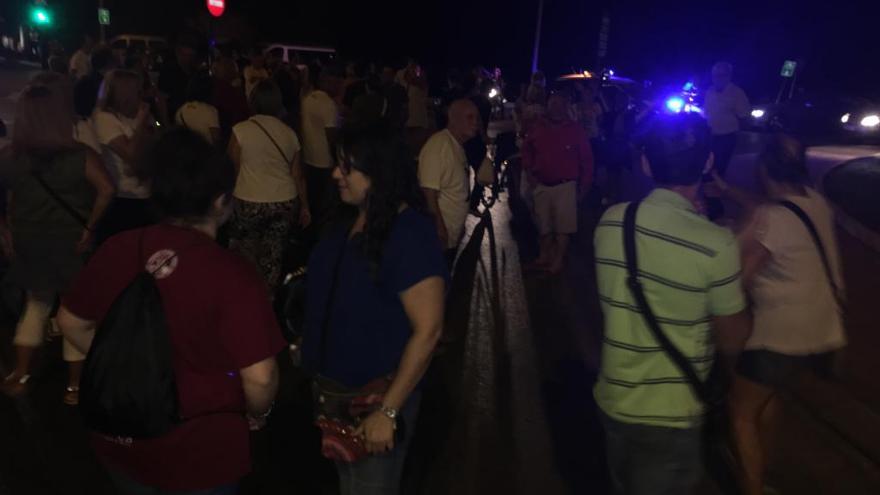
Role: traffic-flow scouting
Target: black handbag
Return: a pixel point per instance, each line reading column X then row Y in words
column 290, row 304
column 719, row 461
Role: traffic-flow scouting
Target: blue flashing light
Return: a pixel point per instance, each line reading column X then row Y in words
column 675, row 104
column 688, row 86
column 691, row 108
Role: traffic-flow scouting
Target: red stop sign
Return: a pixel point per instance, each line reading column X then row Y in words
column 216, row 7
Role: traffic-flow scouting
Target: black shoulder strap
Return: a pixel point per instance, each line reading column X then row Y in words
column 277, row 147
column 814, row 233
column 183, row 120
column 60, row 201
column 328, row 308
column 635, row 286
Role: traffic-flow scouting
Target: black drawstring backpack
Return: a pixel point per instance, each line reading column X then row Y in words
column 128, row 386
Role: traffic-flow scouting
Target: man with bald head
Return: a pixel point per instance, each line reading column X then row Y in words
column 726, row 106
column 444, row 173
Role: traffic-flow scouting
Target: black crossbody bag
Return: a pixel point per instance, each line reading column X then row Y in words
column 717, row 454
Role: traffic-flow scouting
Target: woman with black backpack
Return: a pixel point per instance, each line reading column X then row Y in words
column 180, row 335
column 58, row 191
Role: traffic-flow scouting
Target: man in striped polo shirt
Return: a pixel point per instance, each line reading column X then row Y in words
column 690, row 271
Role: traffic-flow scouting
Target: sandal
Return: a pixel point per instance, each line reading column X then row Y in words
column 71, row 396
column 15, row 386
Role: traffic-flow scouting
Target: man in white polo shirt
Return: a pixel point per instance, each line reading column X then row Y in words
column 444, row 174
column 726, row 105
column 320, row 119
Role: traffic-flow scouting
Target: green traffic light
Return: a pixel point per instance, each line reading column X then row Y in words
column 41, row 16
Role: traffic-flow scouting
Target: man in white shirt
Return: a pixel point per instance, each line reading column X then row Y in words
column 320, row 119
column 444, row 174
column 255, row 73
column 80, row 62
column 726, row 105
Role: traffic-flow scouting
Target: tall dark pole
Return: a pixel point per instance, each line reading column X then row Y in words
column 103, row 27
column 537, row 37
column 604, row 36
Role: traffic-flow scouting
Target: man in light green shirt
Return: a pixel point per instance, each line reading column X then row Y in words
column 690, row 271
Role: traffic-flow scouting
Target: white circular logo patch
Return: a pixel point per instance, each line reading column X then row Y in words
column 162, row 264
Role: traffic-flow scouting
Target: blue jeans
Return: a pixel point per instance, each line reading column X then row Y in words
column 652, row 460
column 127, row 486
column 380, row 474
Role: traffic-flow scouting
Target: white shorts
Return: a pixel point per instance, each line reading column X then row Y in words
column 556, row 208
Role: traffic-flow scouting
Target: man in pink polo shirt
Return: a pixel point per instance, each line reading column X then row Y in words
column 559, row 161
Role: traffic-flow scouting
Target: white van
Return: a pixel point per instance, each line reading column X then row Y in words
column 303, row 53
column 142, row 43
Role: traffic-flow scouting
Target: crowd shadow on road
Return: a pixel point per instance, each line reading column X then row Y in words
column 567, row 331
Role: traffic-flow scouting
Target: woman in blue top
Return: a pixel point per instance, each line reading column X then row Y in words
column 376, row 299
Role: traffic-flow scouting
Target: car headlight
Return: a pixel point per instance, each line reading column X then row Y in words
column 870, row 121
column 844, row 118
column 758, row 113
column 675, row 104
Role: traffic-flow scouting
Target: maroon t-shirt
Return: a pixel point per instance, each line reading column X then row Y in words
column 558, row 152
column 220, row 321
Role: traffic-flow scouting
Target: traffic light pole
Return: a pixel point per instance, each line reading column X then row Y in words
column 101, row 24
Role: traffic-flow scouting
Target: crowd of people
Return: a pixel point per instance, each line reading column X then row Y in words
column 111, row 175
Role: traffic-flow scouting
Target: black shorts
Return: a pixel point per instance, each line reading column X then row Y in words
column 777, row 370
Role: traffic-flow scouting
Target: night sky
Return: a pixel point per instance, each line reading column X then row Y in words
column 658, row 40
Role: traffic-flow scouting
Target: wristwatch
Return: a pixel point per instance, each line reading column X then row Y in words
column 390, row 413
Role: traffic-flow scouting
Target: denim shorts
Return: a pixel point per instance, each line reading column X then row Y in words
column 781, row 371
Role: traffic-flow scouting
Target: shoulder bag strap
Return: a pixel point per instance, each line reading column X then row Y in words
column 635, row 286
column 328, row 308
column 60, row 201
column 814, row 233
column 277, row 147
column 183, row 120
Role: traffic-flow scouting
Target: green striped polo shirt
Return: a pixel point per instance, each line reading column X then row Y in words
column 690, row 270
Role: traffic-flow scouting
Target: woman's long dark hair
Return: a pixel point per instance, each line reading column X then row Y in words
column 383, row 156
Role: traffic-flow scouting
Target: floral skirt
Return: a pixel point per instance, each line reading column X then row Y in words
column 259, row 232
